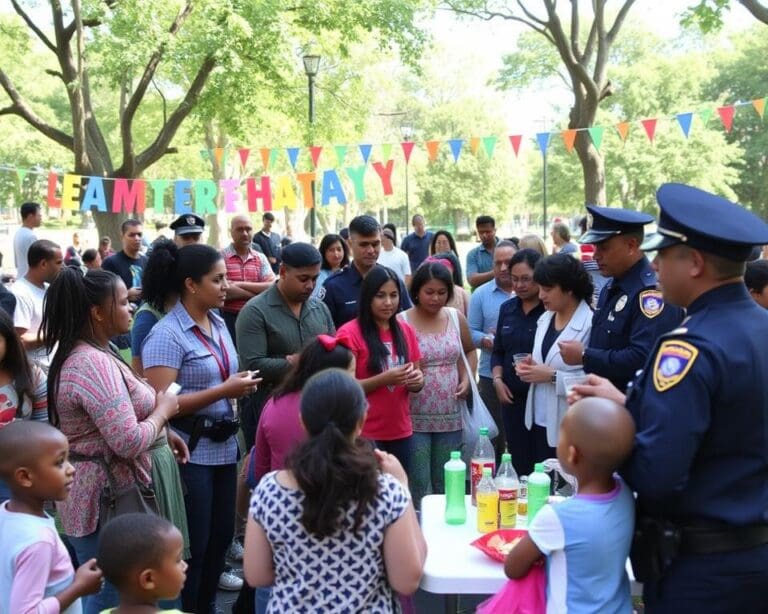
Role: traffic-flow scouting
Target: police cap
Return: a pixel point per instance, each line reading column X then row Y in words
column 300, row 255
column 607, row 222
column 188, row 224
column 703, row 221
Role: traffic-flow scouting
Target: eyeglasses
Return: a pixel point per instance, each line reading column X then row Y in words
column 523, row 281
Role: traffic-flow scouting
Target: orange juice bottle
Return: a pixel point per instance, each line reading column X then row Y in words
column 487, row 503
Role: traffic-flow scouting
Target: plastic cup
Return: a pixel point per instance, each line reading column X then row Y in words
column 518, row 358
column 569, row 381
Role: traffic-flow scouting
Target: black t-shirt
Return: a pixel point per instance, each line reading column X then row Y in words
column 549, row 338
column 129, row 269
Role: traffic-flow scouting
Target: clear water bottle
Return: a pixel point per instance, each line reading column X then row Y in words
column 483, row 456
column 487, row 503
column 508, row 486
column 538, row 490
column 522, row 503
column 455, row 478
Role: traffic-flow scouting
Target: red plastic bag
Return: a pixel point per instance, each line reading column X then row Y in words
column 527, row 595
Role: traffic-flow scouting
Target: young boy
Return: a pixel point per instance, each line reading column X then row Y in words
column 36, row 573
column 141, row 554
column 586, row 538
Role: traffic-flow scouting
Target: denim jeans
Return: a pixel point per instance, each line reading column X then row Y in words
column 430, row 453
column 263, row 593
column 402, row 449
column 210, row 502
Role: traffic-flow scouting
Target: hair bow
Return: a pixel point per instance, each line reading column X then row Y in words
column 444, row 261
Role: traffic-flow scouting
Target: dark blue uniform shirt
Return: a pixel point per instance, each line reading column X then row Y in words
column 341, row 293
column 630, row 316
column 701, row 410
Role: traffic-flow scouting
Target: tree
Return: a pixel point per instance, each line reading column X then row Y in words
column 584, row 53
column 169, row 51
column 708, row 14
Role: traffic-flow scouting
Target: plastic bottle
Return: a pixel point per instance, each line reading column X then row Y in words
column 508, row 485
column 487, row 503
column 483, row 456
column 522, row 503
column 455, row 480
column 538, row 490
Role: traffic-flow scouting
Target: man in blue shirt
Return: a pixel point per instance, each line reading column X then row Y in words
column 480, row 258
column 483, row 317
column 700, row 461
column 416, row 244
column 341, row 291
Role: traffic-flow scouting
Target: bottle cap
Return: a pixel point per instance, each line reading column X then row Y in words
column 539, row 468
column 523, row 478
column 484, row 430
column 506, row 457
column 455, row 454
column 486, row 471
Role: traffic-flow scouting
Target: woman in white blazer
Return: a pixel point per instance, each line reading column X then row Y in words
column 565, row 289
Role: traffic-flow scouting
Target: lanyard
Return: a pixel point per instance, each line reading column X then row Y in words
column 223, row 367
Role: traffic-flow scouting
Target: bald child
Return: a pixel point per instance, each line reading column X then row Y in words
column 586, row 539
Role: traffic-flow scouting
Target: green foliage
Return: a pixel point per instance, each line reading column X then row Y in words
column 706, row 15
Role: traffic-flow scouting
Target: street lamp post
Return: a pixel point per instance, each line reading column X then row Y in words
column 311, row 66
column 544, row 192
column 407, row 133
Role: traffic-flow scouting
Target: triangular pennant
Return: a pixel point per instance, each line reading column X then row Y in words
column 684, row 119
column 386, row 151
column 596, row 134
column 21, row 173
column 244, row 152
column 218, row 154
column 474, row 144
column 759, row 104
column 365, row 152
column 489, row 144
column 407, row 149
column 293, row 156
column 542, row 138
column 314, row 153
column 726, row 116
column 569, row 138
column 432, row 147
column 205, row 154
column 623, row 129
column 705, row 114
column 456, row 145
column 265, row 153
column 650, row 127
column 274, row 152
column 515, row 140
column 341, row 154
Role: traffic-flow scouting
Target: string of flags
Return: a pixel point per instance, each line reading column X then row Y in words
column 341, row 178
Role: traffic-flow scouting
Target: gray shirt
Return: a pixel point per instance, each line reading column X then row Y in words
column 23, row 238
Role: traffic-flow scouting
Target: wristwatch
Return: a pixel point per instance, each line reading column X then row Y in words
column 554, row 377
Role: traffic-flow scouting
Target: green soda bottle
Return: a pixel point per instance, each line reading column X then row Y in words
column 538, row 491
column 455, row 477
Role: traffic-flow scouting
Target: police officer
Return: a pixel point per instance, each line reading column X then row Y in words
column 700, row 464
column 630, row 313
column 341, row 290
column 187, row 229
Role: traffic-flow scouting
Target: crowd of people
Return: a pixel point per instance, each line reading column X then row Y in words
column 290, row 406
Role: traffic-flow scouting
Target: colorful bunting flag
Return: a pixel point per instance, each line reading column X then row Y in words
column 265, row 154
column 543, row 140
column 685, row 119
column 650, row 128
column 293, row 156
column 21, row 173
column 623, row 129
column 386, row 151
column 205, row 154
column 219, row 155
column 759, row 104
column 705, row 114
column 569, row 138
column 432, row 147
column 474, row 144
column 515, row 140
column 244, row 152
column 365, row 152
column 596, row 134
column 341, row 154
column 489, row 144
column 407, row 150
column 456, row 145
column 314, row 152
column 726, row 116
column 273, row 153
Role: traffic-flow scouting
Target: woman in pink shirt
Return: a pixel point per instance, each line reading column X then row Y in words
column 279, row 427
column 387, row 363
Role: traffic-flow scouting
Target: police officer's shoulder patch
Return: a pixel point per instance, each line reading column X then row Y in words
column 673, row 362
column 651, row 303
column 321, row 293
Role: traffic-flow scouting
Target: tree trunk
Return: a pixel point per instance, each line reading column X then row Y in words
column 593, row 170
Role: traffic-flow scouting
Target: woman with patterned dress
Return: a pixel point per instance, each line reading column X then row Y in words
column 443, row 334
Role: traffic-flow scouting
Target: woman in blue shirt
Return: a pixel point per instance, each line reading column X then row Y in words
column 191, row 346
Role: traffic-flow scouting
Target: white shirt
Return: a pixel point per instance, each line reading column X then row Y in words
column 397, row 260
column 23, row 238
column 29, row 313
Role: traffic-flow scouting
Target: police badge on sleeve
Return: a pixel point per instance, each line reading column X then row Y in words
column 651, row 303
column 673, row 362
